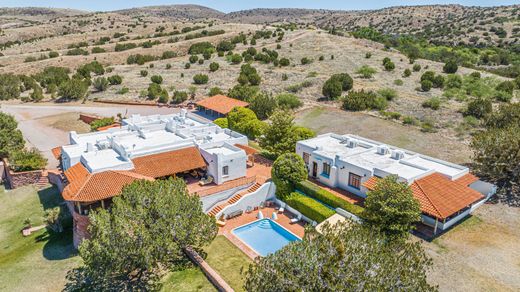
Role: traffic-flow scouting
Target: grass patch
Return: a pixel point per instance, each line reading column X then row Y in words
column 190, row 279
column 41, row 260
column 228, row 261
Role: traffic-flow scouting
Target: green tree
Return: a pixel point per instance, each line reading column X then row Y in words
column 288, row 169
column 343, row 257
column 221, row 122
column 9, row 86
column 37, row 94
column 263, row 105
column 243, row 92
column 73, row 89
column 245, row 121
column 346, row 81
column 281, row 134
column 392, row 208
column 289, row 101
column 144, row 235
column 11, row 137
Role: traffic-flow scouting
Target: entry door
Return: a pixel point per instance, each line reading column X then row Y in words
column 314, row 169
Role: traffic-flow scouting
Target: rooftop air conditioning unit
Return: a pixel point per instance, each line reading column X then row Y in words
column 345, row 140
column 382, row 149
column 397, row 154
column 353, row 143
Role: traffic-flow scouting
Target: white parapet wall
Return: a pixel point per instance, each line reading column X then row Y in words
column 264, row 193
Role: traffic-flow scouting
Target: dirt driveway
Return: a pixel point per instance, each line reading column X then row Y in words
column 46, row 126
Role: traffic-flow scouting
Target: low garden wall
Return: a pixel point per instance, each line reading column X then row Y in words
column 88, row 119
column 19, row 179
column 55, row 178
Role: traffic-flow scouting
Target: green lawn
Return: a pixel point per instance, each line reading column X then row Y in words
column 37, row 262
column 224, row 257
column 40, row 262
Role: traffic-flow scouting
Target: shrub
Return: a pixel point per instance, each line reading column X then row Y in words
column 200, row 79
column 388, row 93
column 123, row 47
column 389, row 66
column 398, row 82
column 225, row 46
column 123, row 90
column 157, row 79
column 332, row 88
column 479, row 107
column 438, row 81
column 284, row 62
column 366, row 72
column 428, row 75
column 179, row 97
column 97, row 50
column 115, row 79
column 416, row 68
column 321, row 58
column 453, row 81
column 326, row 197
column 101, row 123
column 346, row 81
column 77, row 52
column 434, row 103
column 193, row 59
column 368, row 55
column 143, row 73
column 221, row 122
column 100, row 83
column 426, row 85
column 201, row 61
column 428, row 126
column 236, row 59
column 154, row 90
column 27, row 160
column 215, row 91
column 363, row 100
column 287, row 100
column 199, row 48
column 10, row 86
column 450, row 67
column 53, row 54
column 73, row 89
column 213, row 66
column 187, row 66
column 168, row 55
column 407, row 73
column 309, row 207
column 139, row 59
column 506, row 86
column 409, row 120
column 305, row 61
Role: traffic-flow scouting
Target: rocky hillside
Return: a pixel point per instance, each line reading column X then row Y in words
column 175, row 12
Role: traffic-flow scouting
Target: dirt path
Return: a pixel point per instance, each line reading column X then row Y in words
column 33, row 121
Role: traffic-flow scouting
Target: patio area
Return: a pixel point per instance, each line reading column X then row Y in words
column 284, row 219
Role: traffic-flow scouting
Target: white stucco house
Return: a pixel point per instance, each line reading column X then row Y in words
column 447, row 192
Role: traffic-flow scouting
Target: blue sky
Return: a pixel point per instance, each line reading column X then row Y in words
column 233, row 5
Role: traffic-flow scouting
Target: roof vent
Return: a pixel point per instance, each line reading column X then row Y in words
column 382, row 149
column 397, row 154
column 345, row 140
column 353, row 143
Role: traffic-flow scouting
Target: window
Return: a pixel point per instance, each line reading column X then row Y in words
column 326, row 169
column 306, row 157
column 354, row 180
column 225, row 170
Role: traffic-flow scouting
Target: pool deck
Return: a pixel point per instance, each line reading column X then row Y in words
column 283, row 219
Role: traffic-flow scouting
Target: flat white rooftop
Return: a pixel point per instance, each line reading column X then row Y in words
column 364, row 153
column 144, row 135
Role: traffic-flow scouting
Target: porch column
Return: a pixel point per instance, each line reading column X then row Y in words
column 79, row 207
column 103, row 204
column 435, row 228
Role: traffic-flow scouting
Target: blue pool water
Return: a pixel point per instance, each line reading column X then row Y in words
column 265, row 236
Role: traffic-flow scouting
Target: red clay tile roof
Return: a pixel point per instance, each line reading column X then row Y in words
column 168, row 163
column 221, row 104
column 467, row 179
column 56, row 151
column 249, row 150
column 439, row 196
column 87, row 187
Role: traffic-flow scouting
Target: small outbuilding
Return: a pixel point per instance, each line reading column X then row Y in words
column 219, row 105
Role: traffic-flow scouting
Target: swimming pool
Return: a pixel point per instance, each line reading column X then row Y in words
column 265, row 236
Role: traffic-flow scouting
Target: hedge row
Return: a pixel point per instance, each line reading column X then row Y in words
column 309, row 207
column 314, row 191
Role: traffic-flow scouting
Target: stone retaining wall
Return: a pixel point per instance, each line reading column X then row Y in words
column 18, row 179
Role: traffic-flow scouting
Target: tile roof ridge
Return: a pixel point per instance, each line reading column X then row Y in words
column 426, row 194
